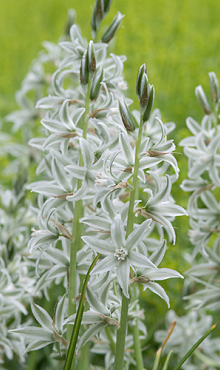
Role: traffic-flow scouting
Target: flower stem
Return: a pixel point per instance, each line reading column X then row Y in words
column 121, row 333
column 109, row 335
column 76, row 231
column 77, row 324
column 134, row 192
column 137, row 342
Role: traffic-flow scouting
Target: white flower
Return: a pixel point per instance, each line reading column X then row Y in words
column 120, row 252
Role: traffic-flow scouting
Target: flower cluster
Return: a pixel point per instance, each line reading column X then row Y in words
column 104, row 206
column 203, row 152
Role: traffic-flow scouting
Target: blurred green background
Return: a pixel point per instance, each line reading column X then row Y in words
column 179, row 40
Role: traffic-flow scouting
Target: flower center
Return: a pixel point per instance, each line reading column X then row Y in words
column 120, row 253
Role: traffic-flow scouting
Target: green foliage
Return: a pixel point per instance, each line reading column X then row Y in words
column 178, row 41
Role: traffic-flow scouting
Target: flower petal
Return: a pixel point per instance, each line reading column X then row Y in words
column 139, row 260
column 99, row 245
column 137, row 235
column 118, row 232
column 107, row 264
column 123, row 271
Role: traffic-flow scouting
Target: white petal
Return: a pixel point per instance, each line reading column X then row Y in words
column 99, row 245
column 118, row 232
column 138, row 259
column 137, row 235
column 107, row 264
column 123, row 271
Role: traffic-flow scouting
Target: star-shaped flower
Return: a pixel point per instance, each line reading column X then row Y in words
column 120, row 252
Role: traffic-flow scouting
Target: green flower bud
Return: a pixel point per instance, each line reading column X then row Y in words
column 91, row 58
column 84, row 73
column 150, row 102
column 141, row 82
column 145, row 93
column 88, row 64
column 109, row 34
column 107, row 4
column 100, row 11
column 126, row 116
column 96, row 83
column 97, row 15
column 214, row 87
column 201, row 97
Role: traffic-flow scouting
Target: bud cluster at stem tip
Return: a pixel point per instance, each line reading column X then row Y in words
column 145, row 93
column 88, row 64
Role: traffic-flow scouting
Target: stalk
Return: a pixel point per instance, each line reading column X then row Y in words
column 137, row 347
column 76, row 233
column 137, row 342
column 109, row 335
column 121, row 333
column 77, row 324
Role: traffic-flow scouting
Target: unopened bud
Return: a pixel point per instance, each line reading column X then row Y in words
column 84, row 73
column 201, row 97
column 145, row 93
column 140, row 280
column 100, row 11
column 91, row 58
column 214, row 87
column 109, row 34
column 96, row 83
column 151, row 96
column 107, row 4
column 141, row 86
column 126, row 116
column 97, row 15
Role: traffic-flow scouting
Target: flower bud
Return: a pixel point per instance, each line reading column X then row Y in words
column 91, row 58
column 88, row 64
column 201, row 97
column 107, row 4
column 96, row 83
column 100, row 11
column 84, row 73
column 214, row 87
column 109, row 34
column 141, row 82
column 150, row 102
column 126, row 116
column 97, row 15
column 145, row 93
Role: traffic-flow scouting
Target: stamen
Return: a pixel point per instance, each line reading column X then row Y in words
column 121, row 253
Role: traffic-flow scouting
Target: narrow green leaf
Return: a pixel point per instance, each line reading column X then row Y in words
column 166, row 363
column 178, row 366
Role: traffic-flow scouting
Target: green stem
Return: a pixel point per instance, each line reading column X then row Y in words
column 74, row 247
column 76, row 232
column 79, row 315
column 137, row 347
column 83, row 355
column 121, row 333
column 137, row 342
column 109, row 335
column 135, row 182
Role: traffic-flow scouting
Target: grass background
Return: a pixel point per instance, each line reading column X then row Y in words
column 178, row 40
